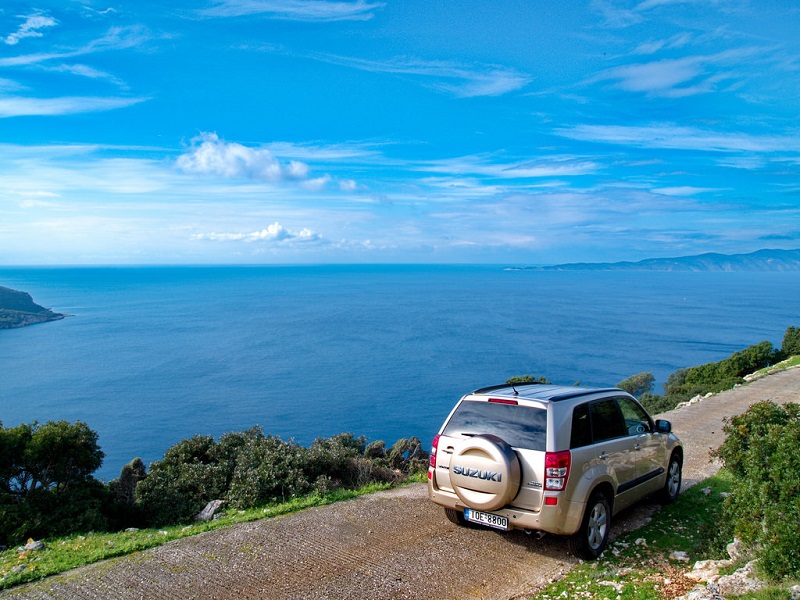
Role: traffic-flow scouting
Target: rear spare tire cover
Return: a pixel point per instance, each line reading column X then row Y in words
column 485, row 472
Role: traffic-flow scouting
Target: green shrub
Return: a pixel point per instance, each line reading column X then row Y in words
column 655, row 404
column 639, row 384
column 249, row 469
column 761, row 451
column 376, row 449
column 334, row 457
column 518, row 379
column 179, row 486
column 46, row 486
column 267, row 469
column 714, row 377
column 791, row 342
column 122, row 509
column 408, row 456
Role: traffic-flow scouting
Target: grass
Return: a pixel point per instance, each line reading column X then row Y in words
column 792, row 361
column 63, row 554
column 636, row 566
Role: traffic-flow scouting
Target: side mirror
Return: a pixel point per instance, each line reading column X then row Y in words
column 663, row 426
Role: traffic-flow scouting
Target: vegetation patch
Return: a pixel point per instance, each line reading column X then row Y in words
column 714, row 377
column 47, row 490
column 637, row 565
column 761, row 451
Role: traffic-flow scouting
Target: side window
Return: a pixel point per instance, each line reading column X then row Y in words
column 607, row 422
column 581, row 427
column 636, row 419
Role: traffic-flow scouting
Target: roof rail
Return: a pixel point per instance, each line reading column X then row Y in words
column 586, row 392
column 501, row 386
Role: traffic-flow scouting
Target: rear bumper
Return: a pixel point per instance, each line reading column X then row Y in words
column 564, row 518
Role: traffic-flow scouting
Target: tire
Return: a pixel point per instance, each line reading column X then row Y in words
column 592, row 537
column 456, row 517
column 485, row 472
column 672, row 486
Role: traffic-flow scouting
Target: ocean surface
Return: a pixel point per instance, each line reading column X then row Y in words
column 154, row 355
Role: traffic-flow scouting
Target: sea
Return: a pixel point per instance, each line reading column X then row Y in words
column 150, row 356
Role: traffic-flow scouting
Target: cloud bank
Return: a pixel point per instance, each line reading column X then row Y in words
column 276, row 233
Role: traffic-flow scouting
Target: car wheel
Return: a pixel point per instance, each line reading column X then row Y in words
column 456, row 517
column 592, row 537
column 485, row 472
column 672, row 487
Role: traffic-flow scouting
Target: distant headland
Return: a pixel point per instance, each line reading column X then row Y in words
column 18, row 309
column 761, row 260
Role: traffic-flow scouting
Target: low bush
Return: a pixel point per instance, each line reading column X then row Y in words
column 760, row 450
column 638, row 385
column 266, row 469
column 791, row 342
column 722, row 375
column 178, row 486
column 684, row 384
column 248, row 469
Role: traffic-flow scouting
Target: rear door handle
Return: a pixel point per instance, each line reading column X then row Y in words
column 603, row 456
column 637, row 447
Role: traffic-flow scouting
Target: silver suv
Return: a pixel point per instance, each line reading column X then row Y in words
column 553, row 459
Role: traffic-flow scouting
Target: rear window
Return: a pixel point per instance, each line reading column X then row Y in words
column 519, row 426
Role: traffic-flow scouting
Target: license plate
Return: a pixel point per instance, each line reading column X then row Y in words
column 488, row 519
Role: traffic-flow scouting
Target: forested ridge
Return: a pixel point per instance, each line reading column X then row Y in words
column 18, row 309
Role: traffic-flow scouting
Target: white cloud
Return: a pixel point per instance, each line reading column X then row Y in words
column 88, row 72
column 295, row 10
column 464, row 81
column 651, row 4
column 209, row 155
column 676, row 41
column 667, row 135
column 17, row 106
column 318, row 184
column 330, row 153
column 30, row 28
column 273, row 233
column 686, row 76
column 297, row 169
column 8, row 85
column 117, row 38
column 553, row 166
column 682, row 190
column 32, row 203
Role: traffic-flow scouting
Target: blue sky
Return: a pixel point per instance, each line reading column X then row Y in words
column 317, row 131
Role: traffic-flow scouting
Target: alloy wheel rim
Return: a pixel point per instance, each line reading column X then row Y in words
column 674, row 478
column 598, row 522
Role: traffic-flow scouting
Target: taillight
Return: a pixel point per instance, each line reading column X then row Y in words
column 434, row 448
column 556, row 470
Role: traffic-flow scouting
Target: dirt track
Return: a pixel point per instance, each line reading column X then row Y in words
column 392, row 544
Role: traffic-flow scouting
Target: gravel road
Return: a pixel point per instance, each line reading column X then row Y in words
column 393, row 544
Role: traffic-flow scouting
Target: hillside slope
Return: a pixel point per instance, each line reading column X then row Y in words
column 18, row 309
column 393, row 544
column 761, row 260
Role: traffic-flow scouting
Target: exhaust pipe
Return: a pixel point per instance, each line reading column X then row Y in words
column 536, row 533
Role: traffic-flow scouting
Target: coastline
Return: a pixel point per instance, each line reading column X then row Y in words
column 17, row 309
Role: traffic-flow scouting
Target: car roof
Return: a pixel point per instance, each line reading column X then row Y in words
column 541, row 391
